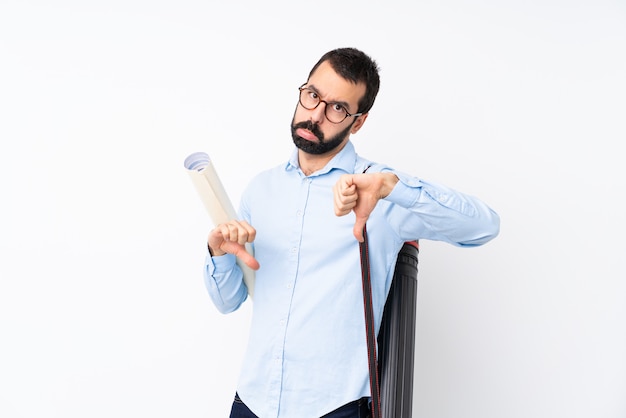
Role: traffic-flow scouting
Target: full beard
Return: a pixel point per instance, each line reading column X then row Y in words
column 323, row 145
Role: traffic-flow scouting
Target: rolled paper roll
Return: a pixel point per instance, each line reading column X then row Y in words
column 216, row 201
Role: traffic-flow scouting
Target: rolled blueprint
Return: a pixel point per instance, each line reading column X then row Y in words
column 216, row 201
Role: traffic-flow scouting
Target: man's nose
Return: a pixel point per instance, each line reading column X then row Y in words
column 319, row 113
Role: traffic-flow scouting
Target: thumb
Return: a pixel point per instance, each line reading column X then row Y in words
column 248, row 260
column 359, row 225
column 240, row 252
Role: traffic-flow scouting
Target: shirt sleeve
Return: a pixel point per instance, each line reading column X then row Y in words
column 224, row 281
column 444, row 214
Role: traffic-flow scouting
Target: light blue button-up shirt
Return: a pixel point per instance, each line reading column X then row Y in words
column 307, row 351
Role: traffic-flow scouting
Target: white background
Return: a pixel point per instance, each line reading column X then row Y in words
column 103, row 312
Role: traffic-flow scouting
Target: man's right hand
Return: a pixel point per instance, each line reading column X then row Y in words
column 231, row 237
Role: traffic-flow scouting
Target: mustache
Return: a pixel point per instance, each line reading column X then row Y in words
column 310, row 126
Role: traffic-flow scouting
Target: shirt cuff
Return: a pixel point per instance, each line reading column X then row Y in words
column 224, row 262
column 406, row 191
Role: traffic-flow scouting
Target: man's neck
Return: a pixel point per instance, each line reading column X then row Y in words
column 310, row 163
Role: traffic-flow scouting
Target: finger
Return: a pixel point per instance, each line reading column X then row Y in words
column 249, row 230
column 239, row 231
column 233, row 232
column 217, row 236
column 345, row 181
column 344, row 186
column 344, row 198
column 342, row 206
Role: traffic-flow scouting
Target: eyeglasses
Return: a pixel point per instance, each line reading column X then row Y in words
column 335, row 112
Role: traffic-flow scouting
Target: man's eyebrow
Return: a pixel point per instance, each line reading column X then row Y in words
column 344, row 104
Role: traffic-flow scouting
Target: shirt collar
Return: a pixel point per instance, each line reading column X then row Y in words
column 344, row 160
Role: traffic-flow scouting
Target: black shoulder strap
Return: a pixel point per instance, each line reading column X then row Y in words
column 370, row 330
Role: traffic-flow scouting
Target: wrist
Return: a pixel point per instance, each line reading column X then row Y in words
column 214, row 253
column 389, row 182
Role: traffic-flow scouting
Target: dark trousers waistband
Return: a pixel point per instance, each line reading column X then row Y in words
column 354, row 409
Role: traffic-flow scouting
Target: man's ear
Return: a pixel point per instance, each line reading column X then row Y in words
column 359, row 122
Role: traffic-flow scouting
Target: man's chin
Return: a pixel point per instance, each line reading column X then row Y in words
column 309, row 147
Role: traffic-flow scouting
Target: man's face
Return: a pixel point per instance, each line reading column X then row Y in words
column 312, row 132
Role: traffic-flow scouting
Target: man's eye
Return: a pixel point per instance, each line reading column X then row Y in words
column 313, row 95
column 338, row 108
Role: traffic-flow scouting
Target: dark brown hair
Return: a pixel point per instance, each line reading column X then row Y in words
column 357, row 67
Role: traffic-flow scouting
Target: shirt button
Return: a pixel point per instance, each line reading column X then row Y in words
column 293, row 250
column 289, row 285
column 299, row 213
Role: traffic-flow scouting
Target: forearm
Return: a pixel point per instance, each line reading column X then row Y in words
column 445, row 214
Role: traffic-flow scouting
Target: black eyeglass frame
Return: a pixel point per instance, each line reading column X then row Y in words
column 348, row 114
